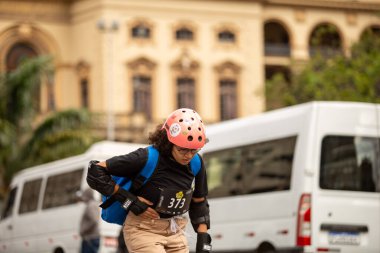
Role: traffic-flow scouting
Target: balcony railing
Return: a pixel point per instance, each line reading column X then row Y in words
column 325, row 51
column 277, row 49
column 129, row 127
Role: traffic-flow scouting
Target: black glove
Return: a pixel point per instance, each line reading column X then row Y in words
column 99, row 179
column 130, row 201
column 203, row 243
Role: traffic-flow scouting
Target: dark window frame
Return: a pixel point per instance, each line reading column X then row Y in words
column 184, row 34
column 61, row 189
column 142, row 94
column 185, row 92
column 9, row 203
column 251, row 169
column 228, row 98
column 30, row 196
column 227, row 36
column 344, row 166
column 141, row 31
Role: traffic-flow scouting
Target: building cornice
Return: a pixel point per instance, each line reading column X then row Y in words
column 333, row 4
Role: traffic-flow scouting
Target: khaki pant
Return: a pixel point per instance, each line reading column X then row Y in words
column 155, row 236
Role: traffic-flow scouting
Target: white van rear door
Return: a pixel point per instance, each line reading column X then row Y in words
column 346, row 192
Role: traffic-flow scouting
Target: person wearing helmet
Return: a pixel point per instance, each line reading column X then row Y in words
column 156, row 221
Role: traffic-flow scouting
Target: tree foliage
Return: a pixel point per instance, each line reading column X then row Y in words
column 24, row 143
column 339, row 78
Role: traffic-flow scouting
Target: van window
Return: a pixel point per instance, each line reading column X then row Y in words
column 61, row 189
column 10, row 202
column 224, row 172
column 255, row 168
column 350, row 163
column 29, row 196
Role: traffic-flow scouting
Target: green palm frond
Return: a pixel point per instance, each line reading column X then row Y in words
column 18, row 89
column 57, row 146
column 63, row 134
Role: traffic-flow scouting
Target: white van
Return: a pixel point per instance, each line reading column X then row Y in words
column 41, row 213
column 300, row 179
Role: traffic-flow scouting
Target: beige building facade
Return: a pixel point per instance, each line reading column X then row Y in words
column 135, row 61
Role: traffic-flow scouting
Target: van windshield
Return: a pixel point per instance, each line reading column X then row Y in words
column 350, row 163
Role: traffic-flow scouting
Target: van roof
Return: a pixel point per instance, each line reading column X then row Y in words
column 287, row 112
column 284, row 121
column 99, row 149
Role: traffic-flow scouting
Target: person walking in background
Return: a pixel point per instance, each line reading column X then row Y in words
column 89, row 225
column 156, row 221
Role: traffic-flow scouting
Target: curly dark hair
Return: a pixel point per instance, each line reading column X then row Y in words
column 159, row 140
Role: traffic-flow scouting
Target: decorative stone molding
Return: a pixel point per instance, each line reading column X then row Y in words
column 228, row 69
column 141, row 65
column 83, row 69
column 185, row 64
column 26, row 32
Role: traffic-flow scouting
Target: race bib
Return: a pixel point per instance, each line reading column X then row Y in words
column 174, row 202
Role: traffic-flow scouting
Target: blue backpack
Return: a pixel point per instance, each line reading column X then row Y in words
column 114, row 213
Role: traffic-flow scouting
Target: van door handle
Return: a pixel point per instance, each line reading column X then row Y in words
column 9, row 227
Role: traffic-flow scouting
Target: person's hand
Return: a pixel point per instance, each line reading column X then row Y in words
column 137, row 205
column 99, row 179
column 203, row 243
column 149, row 213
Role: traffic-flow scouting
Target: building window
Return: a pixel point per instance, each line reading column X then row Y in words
column 184, row 34
column 84, row 93
column 226, row 36
column 228, row 79
column 185, row 92
column 142, row 94
column 276, row 40
column 141, row 31
column 326, row 41
column 18, row 53
column 228, row 103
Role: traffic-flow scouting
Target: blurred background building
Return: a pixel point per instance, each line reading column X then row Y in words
column 135, row 61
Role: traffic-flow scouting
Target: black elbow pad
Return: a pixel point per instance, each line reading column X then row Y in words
column 199, row 213
column 99, row 179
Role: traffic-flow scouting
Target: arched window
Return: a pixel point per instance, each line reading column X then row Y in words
column 17, row 53
column 141, row 31
column 184, row 33
column 226, row 36
column 276, row 40
column 371, row 31
column 325, row 40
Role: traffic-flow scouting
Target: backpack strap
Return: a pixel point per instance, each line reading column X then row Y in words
column 148, row 169
column 195, row 164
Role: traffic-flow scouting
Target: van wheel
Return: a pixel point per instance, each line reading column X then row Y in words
column 59, row 250
column 266, row 248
